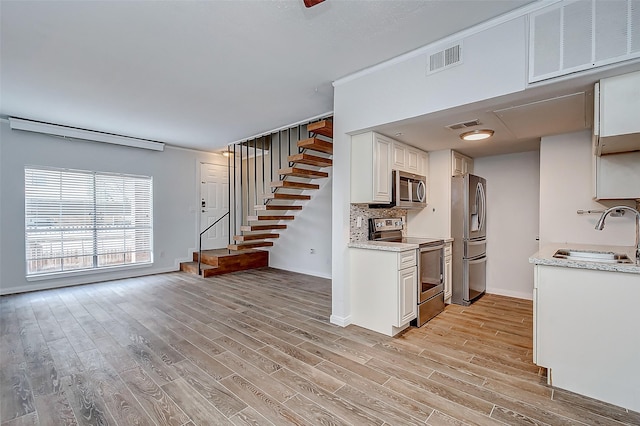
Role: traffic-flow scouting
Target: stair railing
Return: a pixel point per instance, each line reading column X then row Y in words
column 200, row 241
column 250, row 174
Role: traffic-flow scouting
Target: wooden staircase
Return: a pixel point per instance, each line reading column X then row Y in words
column 287, row 190
column 223, row 261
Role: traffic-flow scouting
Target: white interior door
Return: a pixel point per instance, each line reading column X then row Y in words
column 214, row 202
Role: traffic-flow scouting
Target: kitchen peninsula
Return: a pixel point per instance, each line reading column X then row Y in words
column 586, row 323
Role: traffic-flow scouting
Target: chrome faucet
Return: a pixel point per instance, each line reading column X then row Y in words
column 600, row 225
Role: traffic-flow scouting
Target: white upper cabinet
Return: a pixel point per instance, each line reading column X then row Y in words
column 460, row 164
column 412, row 157
column 617, row 176
column 399, row 154
column 409, row 159
column 616, row 124
column 423, row 164
column 371, row 159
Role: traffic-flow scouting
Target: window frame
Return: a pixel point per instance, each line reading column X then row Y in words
column 131, row 226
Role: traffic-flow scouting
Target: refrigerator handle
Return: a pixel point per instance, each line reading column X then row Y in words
column 481, row 210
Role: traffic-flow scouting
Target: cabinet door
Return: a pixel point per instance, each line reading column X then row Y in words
column 412, row 160
column 407, row 295
column 382, row 170
column 457, row 166
column 460, row 164
column 399, row 156
column 423, row 164
column 467, row 165
column 447, row 278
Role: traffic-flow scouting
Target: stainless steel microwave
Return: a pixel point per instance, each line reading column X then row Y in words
column 409, row 191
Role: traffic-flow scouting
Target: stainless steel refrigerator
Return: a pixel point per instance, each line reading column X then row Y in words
column 468, row 229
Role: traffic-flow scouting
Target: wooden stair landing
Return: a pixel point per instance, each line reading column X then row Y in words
column 224, row 261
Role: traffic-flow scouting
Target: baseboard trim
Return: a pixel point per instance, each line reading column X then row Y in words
column 511, row 293
column 302, row 271
column 341, row 321
column 88, row 279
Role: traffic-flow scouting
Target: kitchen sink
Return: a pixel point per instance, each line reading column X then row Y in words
column 592, row 256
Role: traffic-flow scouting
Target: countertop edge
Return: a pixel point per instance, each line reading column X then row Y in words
column 545, row 257
column 383, row 246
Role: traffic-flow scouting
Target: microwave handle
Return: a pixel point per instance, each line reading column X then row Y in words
column 421, row 191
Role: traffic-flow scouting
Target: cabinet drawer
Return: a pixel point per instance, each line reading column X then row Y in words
column 407, row 259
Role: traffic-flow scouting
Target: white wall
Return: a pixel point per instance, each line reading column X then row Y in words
column 513, row 188
column 434, row 221
column 309, row 230
column 494, row 65
column 565, row 187
column 175, row 199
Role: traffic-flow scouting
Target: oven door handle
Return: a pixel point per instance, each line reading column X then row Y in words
column 431, row 248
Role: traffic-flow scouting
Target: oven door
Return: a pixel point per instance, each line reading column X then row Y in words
column 430, row 267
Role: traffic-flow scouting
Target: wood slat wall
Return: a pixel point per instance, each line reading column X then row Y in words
column 257, row 348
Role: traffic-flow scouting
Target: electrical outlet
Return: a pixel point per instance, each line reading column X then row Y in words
column 359, row 222
column 312, row 251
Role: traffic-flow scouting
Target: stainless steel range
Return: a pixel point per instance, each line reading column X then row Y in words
column 430, row 265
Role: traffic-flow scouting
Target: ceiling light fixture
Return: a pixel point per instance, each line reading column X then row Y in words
column 476, row 135
column 89, row 135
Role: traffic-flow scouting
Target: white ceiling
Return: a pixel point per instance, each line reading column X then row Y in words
column 204, row 74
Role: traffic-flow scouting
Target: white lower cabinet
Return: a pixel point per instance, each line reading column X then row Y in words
column 589, row 343
column 384, row 289
column 407, row 295
column 447, row 272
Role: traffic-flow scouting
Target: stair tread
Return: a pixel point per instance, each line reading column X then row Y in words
column 305, row 173
column 247, row 228
column 281, row 207
column 282, row 196
column 270, row 217
column 312, row 160
column 316, row 144
column 294, row 185
column 250, row 245
column 322, row 127
column 252, row 237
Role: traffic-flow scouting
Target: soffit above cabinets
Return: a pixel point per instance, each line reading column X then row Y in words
column 562, row 114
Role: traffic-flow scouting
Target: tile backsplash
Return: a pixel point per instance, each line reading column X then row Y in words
column 362, row 210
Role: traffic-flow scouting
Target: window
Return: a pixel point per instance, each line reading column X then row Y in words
column 79, row 220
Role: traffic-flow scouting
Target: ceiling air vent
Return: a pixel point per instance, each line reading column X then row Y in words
column 445, row 58
column 463, row 125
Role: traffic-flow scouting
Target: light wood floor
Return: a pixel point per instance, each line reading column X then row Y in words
column 256, row 348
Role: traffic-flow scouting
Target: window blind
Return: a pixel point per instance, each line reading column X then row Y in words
column 78, row 220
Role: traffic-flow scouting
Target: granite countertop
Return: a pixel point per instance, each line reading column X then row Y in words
column 388, row 246
column 545, row 257
column 383, row 245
